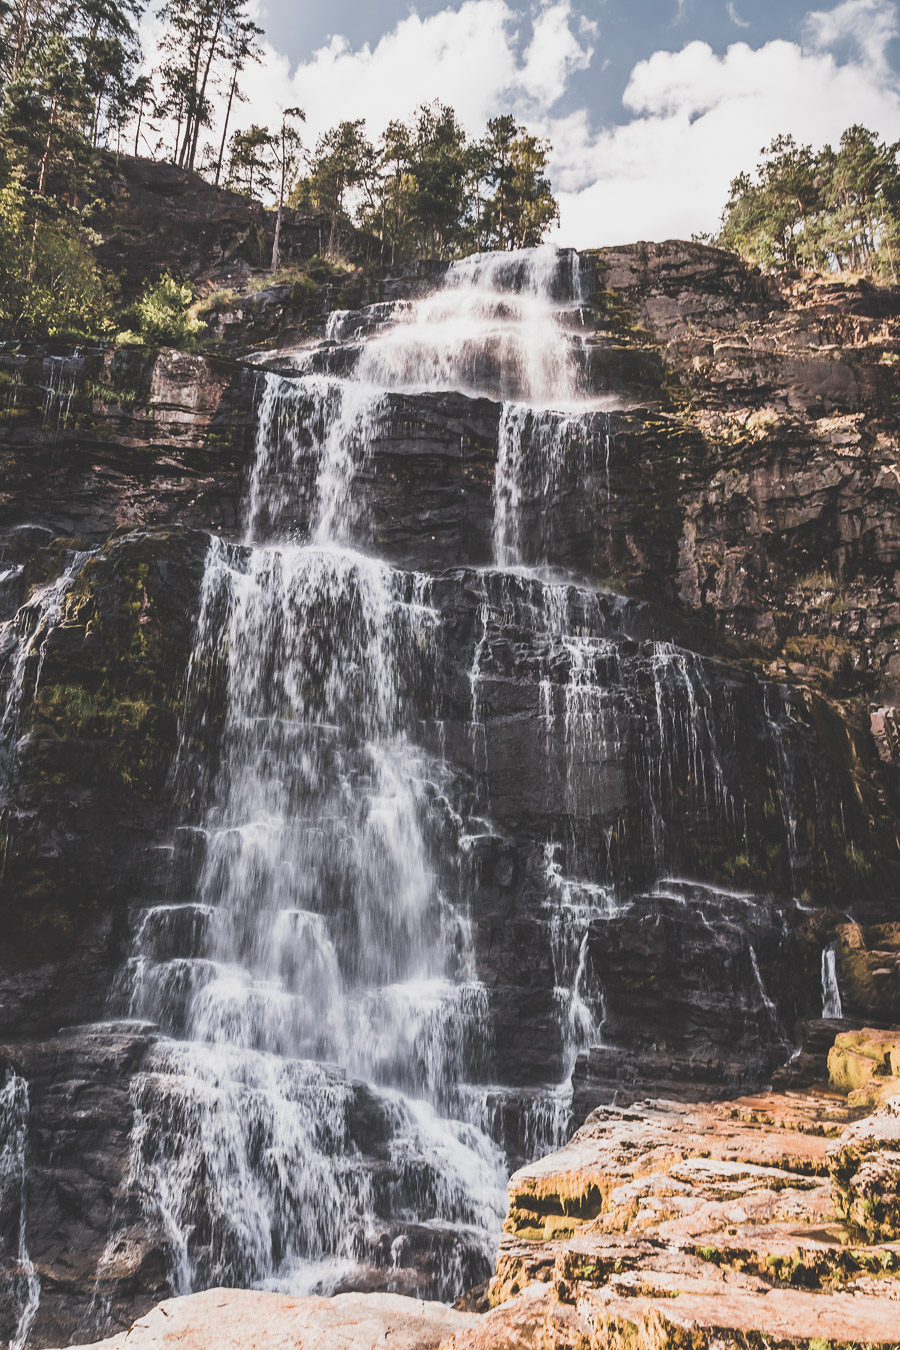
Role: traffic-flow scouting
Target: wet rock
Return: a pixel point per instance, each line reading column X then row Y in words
column 78, row 1142
column 127, row 437
column 85, row 772
column 869, row 958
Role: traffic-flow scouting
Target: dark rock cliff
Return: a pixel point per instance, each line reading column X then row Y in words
column 747, row 501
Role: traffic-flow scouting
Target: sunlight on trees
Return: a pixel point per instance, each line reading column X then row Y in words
column 425, row 190
column 838, row 210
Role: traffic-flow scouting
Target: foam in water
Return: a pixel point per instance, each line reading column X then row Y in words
column 22, row 1279
column 319, row 935
column 492, row 328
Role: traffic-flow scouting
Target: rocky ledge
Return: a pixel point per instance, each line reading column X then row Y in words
column 770, row 1220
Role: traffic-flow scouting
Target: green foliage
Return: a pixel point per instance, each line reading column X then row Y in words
column 200, row 38
column 342, row 163
column 522, row 207
column 426, row 190
column 50, row 284
column 250, row 166
column 163, row 315
column 65, row 57
column 65, row 69
column 835, row 210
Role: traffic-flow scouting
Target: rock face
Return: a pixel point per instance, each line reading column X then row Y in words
column 161, row 218
column 765, row 1217
column 635, row 665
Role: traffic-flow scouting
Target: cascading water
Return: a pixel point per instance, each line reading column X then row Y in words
column 831, row 993
column 319, row 934
column 22, row 1285
column 23, row 646
column 323, row 1107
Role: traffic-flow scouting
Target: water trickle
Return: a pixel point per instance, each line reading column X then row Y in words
column 22, row 649
column 831, row 994
column 578, row 994
column 22, row 1280
column 543, row 457
column 63, row 374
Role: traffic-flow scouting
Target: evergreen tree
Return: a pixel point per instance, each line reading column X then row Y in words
column 285, row 148
column 835, row 210
column 250, row 161
column 242, row 48
column 437, row 161
column 522, row 207
column 199, row 36
column 342, row 163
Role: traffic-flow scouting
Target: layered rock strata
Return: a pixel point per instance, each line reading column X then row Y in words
column 656, row 812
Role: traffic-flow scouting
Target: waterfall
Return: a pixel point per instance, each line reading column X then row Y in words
column 23, row 645
column 318, row 936
column 831, row 994
column 325, row 1105
column 23, row 1282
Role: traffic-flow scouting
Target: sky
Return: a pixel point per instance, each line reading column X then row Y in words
column 651, row 107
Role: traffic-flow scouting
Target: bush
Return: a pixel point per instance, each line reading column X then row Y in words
column 163, row 316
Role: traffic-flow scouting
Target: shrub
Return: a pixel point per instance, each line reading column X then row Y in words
column 162, row 315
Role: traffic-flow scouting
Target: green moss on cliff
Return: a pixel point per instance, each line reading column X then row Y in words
column 102, row 731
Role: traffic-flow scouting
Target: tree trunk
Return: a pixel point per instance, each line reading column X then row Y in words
column 178, row 132
column 137, row 134
column 202, row 94
column 42, row 182
column 231, row 94
column 45, row 157
column 192, row 108
column 20, row 39
column 277, row 241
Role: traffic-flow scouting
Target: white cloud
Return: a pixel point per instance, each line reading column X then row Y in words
column 693, row 118
column 734, row 16
column 480, row 57
column 870, row 24
column 698, row 120
column 552, row 57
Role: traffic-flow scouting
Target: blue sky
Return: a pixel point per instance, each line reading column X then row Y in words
column 626, row 33
column 652, row 107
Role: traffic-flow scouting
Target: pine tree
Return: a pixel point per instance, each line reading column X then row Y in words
column 250, row 161
column 522, row 207
column 835, row 210
column 199, row 36
column 285, row 148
